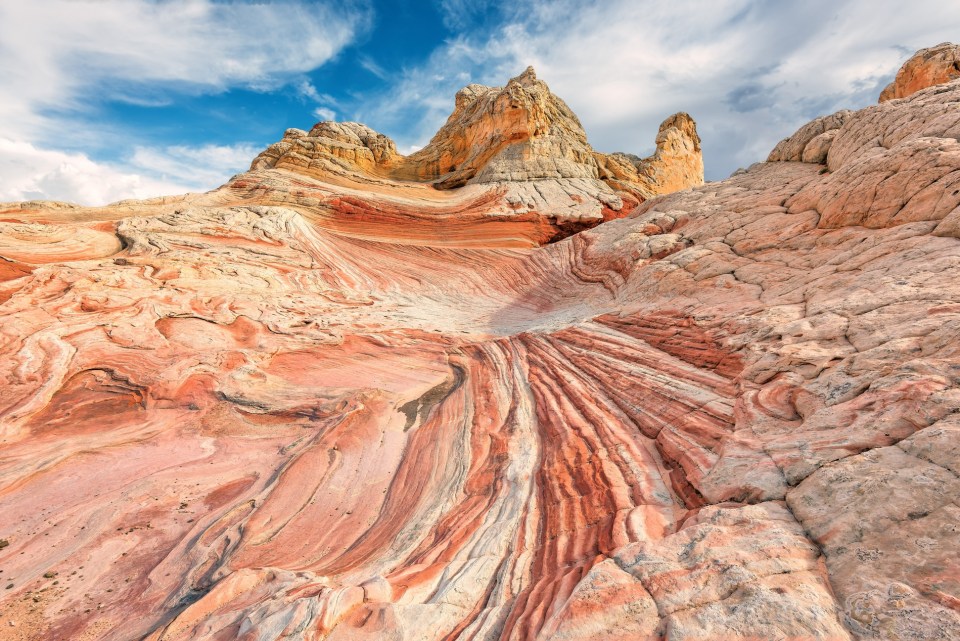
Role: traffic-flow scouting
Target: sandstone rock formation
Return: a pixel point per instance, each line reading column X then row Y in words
column 925, row 68
column 676, row 164
column 519, row 141
column 328, row 401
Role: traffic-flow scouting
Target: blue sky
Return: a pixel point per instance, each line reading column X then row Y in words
column 134, row 98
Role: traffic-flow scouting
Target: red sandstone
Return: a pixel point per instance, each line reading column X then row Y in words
column 329, row 401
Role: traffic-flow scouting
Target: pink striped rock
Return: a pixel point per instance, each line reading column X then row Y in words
column 352, row 395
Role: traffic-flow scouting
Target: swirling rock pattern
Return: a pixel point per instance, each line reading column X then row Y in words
column 341, row 404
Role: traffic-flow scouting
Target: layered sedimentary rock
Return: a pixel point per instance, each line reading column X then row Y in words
column 341, row 398
column 518, row 145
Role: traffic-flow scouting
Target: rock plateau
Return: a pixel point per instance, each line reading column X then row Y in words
column 506, row 387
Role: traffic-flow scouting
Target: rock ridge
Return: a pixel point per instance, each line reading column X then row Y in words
column 520, row 139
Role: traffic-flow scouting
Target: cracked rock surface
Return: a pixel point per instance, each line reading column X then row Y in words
column 353, row 396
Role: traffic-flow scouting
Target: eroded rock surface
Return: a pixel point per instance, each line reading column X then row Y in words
column 327, row 401
column 519, row 145
column 927, row 67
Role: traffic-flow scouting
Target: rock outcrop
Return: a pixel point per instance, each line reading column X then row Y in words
column 332, row 401
column 925, row 68
column 676, row 164
column 810, row 143
column 519, row 140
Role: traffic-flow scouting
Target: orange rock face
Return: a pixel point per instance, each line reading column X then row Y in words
column 926, row 68
column 514, row 154
column 343, row 398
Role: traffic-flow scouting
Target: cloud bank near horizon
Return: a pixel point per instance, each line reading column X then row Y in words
column 139, row 98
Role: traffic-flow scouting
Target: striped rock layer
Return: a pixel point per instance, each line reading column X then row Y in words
column 356, row 396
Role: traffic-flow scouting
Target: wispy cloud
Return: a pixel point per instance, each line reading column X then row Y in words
column 322, row 113
column 749, row 72
column 198, row 167
column 308, row 91
column 60, row 57
column 324, row 102
column 459, row 14
column 32, row 173
column 371, row 65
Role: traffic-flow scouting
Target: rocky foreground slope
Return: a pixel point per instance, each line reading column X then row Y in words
column 356, row 395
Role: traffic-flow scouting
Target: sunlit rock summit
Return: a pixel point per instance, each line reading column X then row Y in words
column 519, row 142
column 506, row 387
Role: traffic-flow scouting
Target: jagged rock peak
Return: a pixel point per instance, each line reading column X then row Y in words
column 676, row 164
column 684, row 124
column 927, row 67
column 528, row 76
column 519, row 132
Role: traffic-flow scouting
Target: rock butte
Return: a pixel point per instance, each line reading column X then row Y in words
column 356, row 395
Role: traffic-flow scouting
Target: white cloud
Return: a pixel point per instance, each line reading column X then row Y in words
column 307, row 91
column 749, row 72
column 371, row 65
column 58, row 56
column 322, row 113
column 324, row 101
column 54, row 53
column 30, row 173
column 201, row 167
